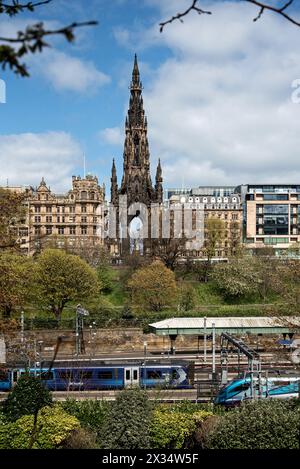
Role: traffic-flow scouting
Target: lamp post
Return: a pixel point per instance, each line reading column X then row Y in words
column 213, row 348
column 40, row 343
column 145, row 354
column 80, row 313
column 205, row 339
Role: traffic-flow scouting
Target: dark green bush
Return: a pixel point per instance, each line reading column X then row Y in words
column 266, row 424
column 128, row 423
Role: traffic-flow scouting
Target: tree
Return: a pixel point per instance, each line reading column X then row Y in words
column 214, row 229
column 11, row 215
column 187, row 297
column 169, row 251
column 16, row 275
column 153, row 286
column 32, row 39
column 61, row 278
column 128, row 424
column 287, row 283
column 27, row 397
column 264, row 424
column 280, row 10
column 237, row 278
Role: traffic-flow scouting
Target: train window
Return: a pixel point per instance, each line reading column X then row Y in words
column 127, row 377
column 135, row 375
column 3, row 375
column 67, row 375
column 153, row 374
column 242, row 387
column 106, row 374
column 86, row 375
column 46, row 375
column 174, row 374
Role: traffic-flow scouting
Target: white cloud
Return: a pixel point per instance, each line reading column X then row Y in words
column 220, row 110
column 65, row 72
column 112, row 135
column 26, row 158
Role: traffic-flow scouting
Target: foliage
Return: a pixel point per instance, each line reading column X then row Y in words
column 172, row 427
column 15, row 281
column 169, row 250
column 266, row 424
column 153, row 286
column 81, row 439
column 128, row 423
column 62, row 277
column 54, row 426
column 214, row 229
column 11, row 214
column 187, row 297
column 90, row 413
column 31, row 40
column 106, row 276
column 236, row 278
column 27, row 397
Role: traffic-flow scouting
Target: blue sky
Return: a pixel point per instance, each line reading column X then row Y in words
column 217, row 93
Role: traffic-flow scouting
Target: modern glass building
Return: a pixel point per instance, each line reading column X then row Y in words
column 271, row 215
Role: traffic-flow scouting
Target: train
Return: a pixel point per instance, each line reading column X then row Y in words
column 241, row 389
column 105, row 377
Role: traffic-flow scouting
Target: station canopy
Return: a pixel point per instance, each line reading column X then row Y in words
column 231, row 325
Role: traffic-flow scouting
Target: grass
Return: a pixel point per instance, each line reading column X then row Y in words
column 107, row 308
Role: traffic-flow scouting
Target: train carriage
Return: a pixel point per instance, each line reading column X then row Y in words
column 106, row 377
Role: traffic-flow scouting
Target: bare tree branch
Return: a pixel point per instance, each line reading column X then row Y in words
column 262, row 7
column 17, row 7
column 32, row 40
column 179, row 16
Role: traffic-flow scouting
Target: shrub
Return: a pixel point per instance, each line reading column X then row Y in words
column 173, row 426
column 128, row 423
column 266, row 424
column 90, row 413
column 81, row 439
column 54, row 426
column 27, row 397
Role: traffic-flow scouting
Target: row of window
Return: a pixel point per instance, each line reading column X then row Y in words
column 61, row 230
column 62, row 219
column 62, row 209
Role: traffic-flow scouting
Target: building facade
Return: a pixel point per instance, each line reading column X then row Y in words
column 215, row 202
column 271, row 216
column 74, row 221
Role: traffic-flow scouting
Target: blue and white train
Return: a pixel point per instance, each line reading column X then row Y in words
column 238, row 390
column 105, row 377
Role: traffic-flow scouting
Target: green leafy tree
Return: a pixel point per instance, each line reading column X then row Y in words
column 16, row 276
column 187, row 297
column 265, row 424
column 128, row 424
column 54, row 426
column 153, row 286
column 27, row 397
column 61, row 278
column 106, row 275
